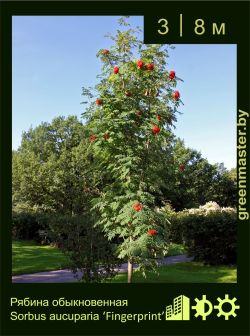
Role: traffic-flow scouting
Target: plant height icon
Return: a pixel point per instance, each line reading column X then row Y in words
column 180, row 310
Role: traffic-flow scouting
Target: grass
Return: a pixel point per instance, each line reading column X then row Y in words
column 193, row 272
column 28, row 257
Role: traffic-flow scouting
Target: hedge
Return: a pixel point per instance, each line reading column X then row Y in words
column 30, row 226
column 209, row 233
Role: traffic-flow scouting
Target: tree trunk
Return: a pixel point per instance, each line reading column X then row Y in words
column 130, row 271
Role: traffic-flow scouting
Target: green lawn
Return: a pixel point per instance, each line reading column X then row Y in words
column 185, row 272
column 28, row 257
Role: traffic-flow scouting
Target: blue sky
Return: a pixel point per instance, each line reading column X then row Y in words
column 53, row 57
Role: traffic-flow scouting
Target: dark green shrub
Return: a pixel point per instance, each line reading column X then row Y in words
column 30, row 226
column 176, row 229
column 209, row 235
column 91, row 255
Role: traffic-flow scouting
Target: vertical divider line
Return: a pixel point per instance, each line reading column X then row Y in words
column 180, row 25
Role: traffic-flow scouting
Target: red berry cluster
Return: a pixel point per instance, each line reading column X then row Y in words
column 99, row 101
column 105, row 51
column 139, row 113
column 156, row 129
column 176, row 95
column 150, row 66
column 171, row 74
column 141, row 65
column 106, row 136
column 92, row 137
column 152, row 232
column 137, row 206
column 182, row 167
column 128, row 93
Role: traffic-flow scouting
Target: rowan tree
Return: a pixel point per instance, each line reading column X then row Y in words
column 129, row 118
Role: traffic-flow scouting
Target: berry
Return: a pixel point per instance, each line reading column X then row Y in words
column 105, row 51
column 171, row 74
column 176, row 95
column 140, row 64
column 182, row 167
column 106, row 136
column 152, row 232
column 128, row 93
column 137, row 206
column 99, row 101
column 158, row 117
column 156, row 129
column 116, row 70
column 92, row 137
column 150, row 66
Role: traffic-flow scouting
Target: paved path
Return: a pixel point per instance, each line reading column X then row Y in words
column 67, row 276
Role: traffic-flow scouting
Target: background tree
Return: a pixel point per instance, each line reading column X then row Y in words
column 191, row 180
column 223, row 187
column 54, row 180
column 53, row 169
